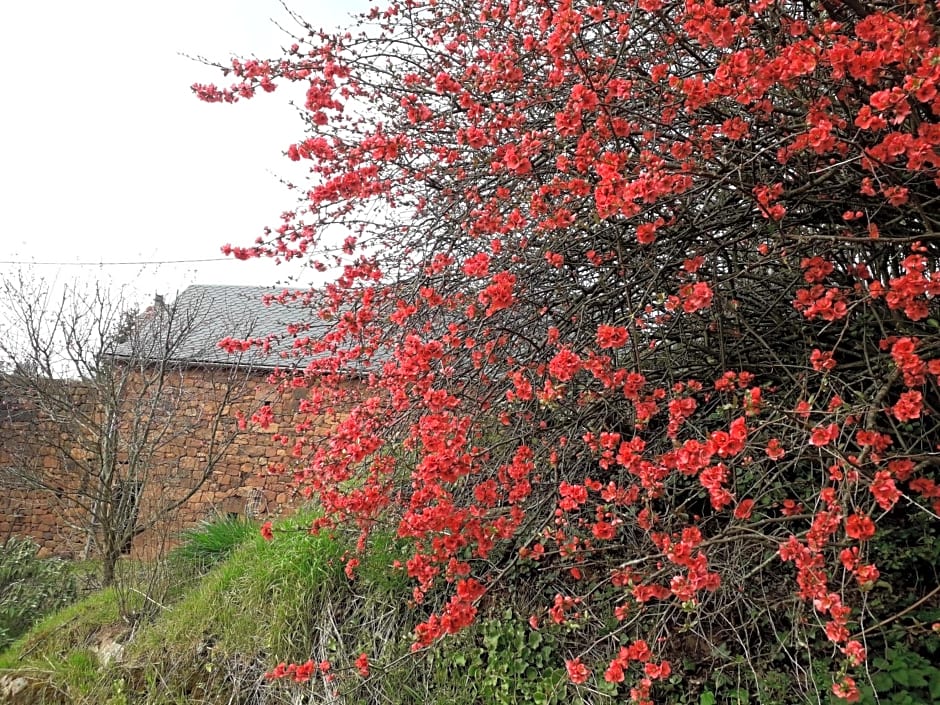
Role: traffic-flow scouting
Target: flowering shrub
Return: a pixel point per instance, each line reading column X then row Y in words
column 643, row 297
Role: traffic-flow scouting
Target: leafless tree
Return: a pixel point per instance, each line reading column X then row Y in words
column 108, row 390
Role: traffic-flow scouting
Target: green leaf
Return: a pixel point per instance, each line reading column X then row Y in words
column 707, row 698
column 901, row 676
column 935, row 686
column 491, row 642
column 882, row 682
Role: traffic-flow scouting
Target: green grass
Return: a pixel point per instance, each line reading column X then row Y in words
column 248, row 591
column 55, row 655
column 30, row 587
column 214, row 540
column 267, row 602
column 284, row 600
column 73, row 627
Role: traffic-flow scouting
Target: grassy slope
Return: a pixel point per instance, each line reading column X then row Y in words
column 285, row 600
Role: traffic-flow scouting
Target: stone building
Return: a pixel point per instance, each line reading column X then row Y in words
column 200, row 461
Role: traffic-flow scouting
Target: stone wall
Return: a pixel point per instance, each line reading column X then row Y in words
column 29, row 447
column 239, row 482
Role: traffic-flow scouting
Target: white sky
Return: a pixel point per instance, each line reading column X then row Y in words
column 106, row 156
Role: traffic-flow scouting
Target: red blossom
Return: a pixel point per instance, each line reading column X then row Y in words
column 362, row 664
column 611, row 336
column 577, row 671
column 847, row 690
column 478, row 265
column 564, row 365
column 614, row 672
column 908, row 407
column 824, row 435
column 884, row 490
column 822, row 361
column 774, row 450
column 744, row 509
column 859, row 527
column 696, row 297
column 657, row 671
column 499, row 294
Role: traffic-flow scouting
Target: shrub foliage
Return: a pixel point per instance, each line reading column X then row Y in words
column 30, row 587
column 644, row 297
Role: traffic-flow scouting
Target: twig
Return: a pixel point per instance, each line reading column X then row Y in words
column 900, row 614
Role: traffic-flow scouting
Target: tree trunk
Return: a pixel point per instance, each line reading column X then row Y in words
column 109, row 560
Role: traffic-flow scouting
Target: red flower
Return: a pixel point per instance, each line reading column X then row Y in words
column 646, row 233
column 696, row 297
column 791, row 508
column 577, row 671
column 499, row 294
column 614, row 672
column 362, row 665
column 815, row 269
column 264, row 417
column 564, row 365
column 573, row 496
column 859, row 527
column 822, row 361
column 266, row 531
column 847, row 690
column 657, row 670
column 744, row 509
column 855, row 651
column 478, row 265
column 303, row 672
column 774, row 450
column 884, row 490
column 867, row 575
column 611, row 336
column 603, row 530
column 822, row 436
column 908, row 406
column 639, row 650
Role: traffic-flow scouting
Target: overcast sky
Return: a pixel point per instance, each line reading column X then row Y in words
column 106, row 156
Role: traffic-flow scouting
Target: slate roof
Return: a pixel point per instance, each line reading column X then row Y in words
column 204, row 315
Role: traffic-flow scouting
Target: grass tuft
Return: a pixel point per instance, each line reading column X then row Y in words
column 214, row 540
